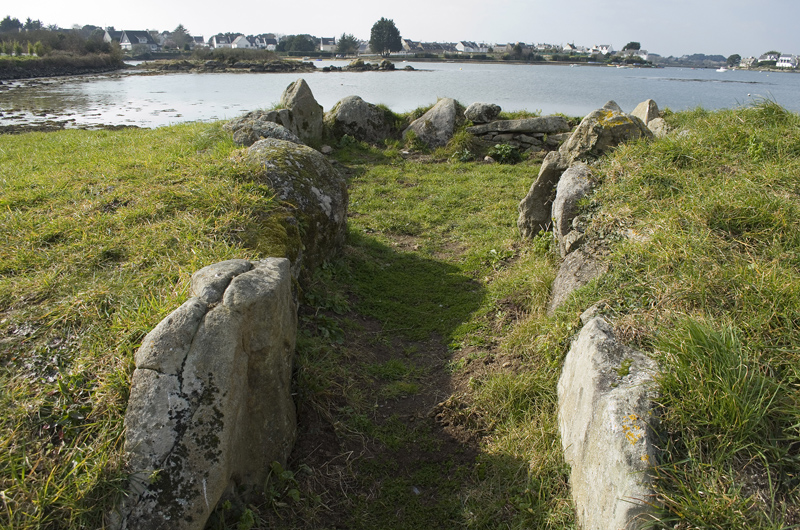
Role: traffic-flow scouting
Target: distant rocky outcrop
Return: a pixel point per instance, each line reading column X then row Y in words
column 313, row 194
column 363, row 121
column 436, row 127
column 210, row 405
column 605, row 418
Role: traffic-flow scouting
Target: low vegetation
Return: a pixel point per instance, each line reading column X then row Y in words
column 426, row 365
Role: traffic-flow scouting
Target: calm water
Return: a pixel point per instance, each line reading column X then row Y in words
column 153, row 100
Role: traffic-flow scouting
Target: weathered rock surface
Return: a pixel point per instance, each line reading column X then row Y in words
column 482, row 112
column 573, row 185
column 535, row 209
column 210, row 405
column 601, row 131
column 436, row 127
column 605, row 395
column 314, row 193
column 305, row 114
column 579, row 268
column 257, row 125
column 361, row 120
column 541, row 125
column 646, row 111
column 597, row 133
column 658, row 127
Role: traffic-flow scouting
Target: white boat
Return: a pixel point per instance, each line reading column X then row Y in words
column 722, row 69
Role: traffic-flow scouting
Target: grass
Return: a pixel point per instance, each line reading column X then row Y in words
column 101, row 232
column 426, row 365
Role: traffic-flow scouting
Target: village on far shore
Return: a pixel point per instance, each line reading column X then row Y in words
column 143, row 42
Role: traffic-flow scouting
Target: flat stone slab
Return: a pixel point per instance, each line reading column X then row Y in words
column 543, row 125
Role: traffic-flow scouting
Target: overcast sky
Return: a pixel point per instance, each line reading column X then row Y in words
column 666, row 27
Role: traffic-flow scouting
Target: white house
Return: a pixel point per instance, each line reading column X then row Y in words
column 642, row 54
column 787, row 61
column 327, row 45
column 219, row 41
column 471, row 47
column 603, row 49
column 198, row 42
column 242, row 43
column 769, row 57
column 130, row 38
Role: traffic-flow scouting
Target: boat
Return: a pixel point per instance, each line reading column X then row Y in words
column 722, row 69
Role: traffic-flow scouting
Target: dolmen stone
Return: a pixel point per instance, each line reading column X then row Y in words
column 436, row 127
column 540, row 125
column 646, row 111
column 598, row 132
column 210, row 406
column 304, row 113
column 313, row 193
column 605, row 417
column 361, row 120
column 580, row 267
column 574, row 184
column 482, row 112
column 258, row 125
column 601, row 131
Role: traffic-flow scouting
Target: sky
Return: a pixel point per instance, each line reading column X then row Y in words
column 665, row 27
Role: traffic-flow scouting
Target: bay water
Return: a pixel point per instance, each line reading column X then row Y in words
column 146, row 100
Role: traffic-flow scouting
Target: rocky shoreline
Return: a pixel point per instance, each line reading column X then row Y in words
column 15, row 72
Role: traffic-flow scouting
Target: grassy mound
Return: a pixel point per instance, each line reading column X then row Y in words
column 427, row 365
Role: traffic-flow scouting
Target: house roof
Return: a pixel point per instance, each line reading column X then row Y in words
column 137, row 36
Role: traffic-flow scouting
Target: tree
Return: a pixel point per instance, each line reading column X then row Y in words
column 10, row 24
column 297, row 43
column 633, row 46
column 347, row 44
column 180, row 36
column 385, row 37
column 32, row 25
column 734, row 60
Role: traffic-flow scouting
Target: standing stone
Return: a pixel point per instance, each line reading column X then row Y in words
column 257, row 125
column 306, row 114
column 573, row 185
column 602, row 130
column 579, row 268
column 535, row 209
column 361, row 120
column 605, row 418
column 597, row 133
column 646, row 111
column 313, row 193
column 436, row 127
column 482, row 112
column 210, row 405
column 658, row 127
